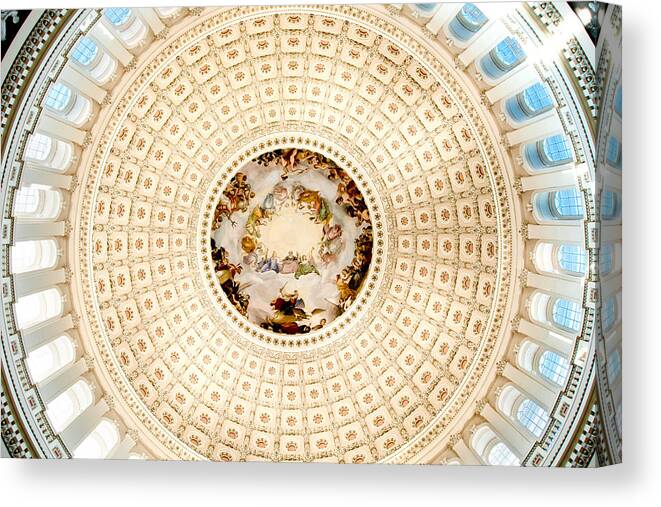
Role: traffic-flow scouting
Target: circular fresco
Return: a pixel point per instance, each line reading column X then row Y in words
column 291, row 241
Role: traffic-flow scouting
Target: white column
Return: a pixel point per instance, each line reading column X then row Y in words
column 52, row 387
column 466, row 454
column 566, row 288
column 547, row 337
column 539, row 392
column 123, row 449
column 32, row 173
column 82, row 84
column 111, row 44
column 549, row 181
column 83, row 425
column 29, row 283
column 41, row 334
column 516, row 441
column 542, row 128
column 60, row 130
column 572, row 232
column 441, row 16
column 513, row 84
column 39, row 230
column 152, row 19
column 484, row 42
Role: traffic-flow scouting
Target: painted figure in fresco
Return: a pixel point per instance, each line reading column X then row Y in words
column 288, row 314
column 226, row 271
column 331, row 243
column 305, row 267
column 236, row 197
column 289, row 264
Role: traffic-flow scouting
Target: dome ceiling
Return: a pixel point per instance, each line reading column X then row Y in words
column 312, row 233
column 212, row 376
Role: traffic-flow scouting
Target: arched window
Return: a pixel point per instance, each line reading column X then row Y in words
column 427, row 8
column 50, row 358
column 37, row 202
column 58, row 97
column 613, row 365
column 618, row 101
column 564, row 204
column 85, row 51
column 614, row 153
column 48, row 152
column 35, row 308
column 100, row 442
column 610, row 205
column 609, row 313
column 531, row 102
column 467, row 22
column 568, row 204
column 553, row 367
column 507, row 55
column 490, row 448
column 117, row 15
column 70, row 404
column 606, row 253
column 572, row 259
column 33, row 255
column 532, row 417
column 26, row 201
column 550, row 152
column 501, row 455
column 567, row 314
column 38, row 147
column 526, row 355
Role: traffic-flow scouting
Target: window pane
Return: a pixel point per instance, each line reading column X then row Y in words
column 26, row 201
column 67, row 406
column 38, row 307
column 500, row 454
column 85, row 51
column 117, row 16
column 39, row 147
column 47, row 359
column 58, row 97
column 572, row 258
column 568, row 203
column 610, row 208
column 567, row 314
column 606, row 259
column 472, row 16
column 613, row 156
column 99, row 443
column 509, row 53
column 532, row 417
column 467, row 22
column 537, row 98
column 609, row 313
column 557, row 149
column 554, row 367
column 503, row 58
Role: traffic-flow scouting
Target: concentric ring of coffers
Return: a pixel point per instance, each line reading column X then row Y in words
column 410, row 352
